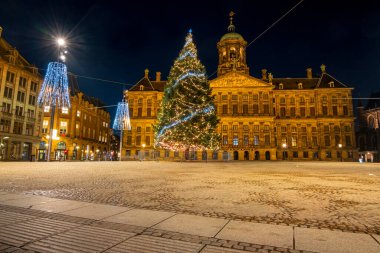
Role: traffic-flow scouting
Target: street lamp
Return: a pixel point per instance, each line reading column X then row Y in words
column 340, row 151
column 143, row 152
column 284, row 152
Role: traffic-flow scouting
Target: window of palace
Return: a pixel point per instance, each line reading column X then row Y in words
column 256, row 128
column 284, row 140
column 292, row 111
column 139, row 101
column 347, row 128
column 225, row 127
column 302, row 100
column 303, row 129
column 147, row 140
column 337, row 140
column 304, row 140
column 21, row 96
column 335, row 110
column 282, row 100
column 312, row 111
column 19, row 110
column 305, row 154
column 256, row 141
column 282, row 112
column 224, row 97
column 245, row 97
column 130, row 101
column 345, row 110
column 32, row 100
column 149, row 112
column 139, row 112
column 245, row 127
column 265, row 96
column 327, row 140
column 324, row 99
column 235, row 127
column 266, row 109
column 129, row 140
column 294, row 129
column 303, row 111
column 292, row 100
column 314, row 140
column 331, row 84
column 22, row 82
column 138, row 129
column 10, row 77
column 255, row 108
column 311, row 100
column 167, row 153
column 281, row 86
column 266, row 128
column 283, row 129
column 324, row 110
column 33, row 86
column 245, row 109
column 147, row 129
column 234, row 97
column 300, row 86
column 138, row 140
column 334, row 100
column 149, row 101
column 130, row 112
column 246, row 140
column 234, row 109
column 141, row 87
column 348, row 141
column 225, row 139
column 267, row 139
column 225, row 109
column 235, row 141
column 294, row 141
column 8, row 92
column 255, row 97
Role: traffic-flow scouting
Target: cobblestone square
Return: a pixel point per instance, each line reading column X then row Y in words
column 333, row 195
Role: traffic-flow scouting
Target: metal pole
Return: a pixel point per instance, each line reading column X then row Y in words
column 121, row 142
column 51, row 132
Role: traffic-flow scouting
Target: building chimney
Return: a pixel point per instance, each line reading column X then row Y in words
column 146, row 73
column 309, row 73
column 323, row 68
column 1, row 31
column 264, row 74
column 158, row 76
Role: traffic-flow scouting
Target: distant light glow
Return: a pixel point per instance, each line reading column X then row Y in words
column 55, row 90
column 122, row 119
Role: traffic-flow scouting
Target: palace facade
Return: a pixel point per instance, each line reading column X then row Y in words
column 81, row 132
column 265, row 118
column 20, row 116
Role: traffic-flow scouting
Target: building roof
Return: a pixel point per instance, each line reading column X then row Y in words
column 149, row 85
column 323, row 81
column 374, row 102
column 232, row 35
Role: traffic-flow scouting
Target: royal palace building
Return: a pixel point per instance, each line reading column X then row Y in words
column 20, row 116
column 261, row 118
column 81, row 132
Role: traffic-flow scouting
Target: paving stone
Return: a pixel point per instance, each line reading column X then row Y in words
column 60, row 206
column 263, row 234
column 213, row 249
column 144, row 243
column 12, row 196
column 22, row 233
column 192, row 224
column 11, row 217
column 81, row 239
column 377, row 237
column 28, row 201
column 140, row 217
column 96, row 211
column 334, row 242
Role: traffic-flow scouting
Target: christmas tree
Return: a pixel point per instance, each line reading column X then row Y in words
column 187, row 119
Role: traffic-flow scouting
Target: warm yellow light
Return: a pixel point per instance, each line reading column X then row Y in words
column 143, row 145
column 284, row 145
column 340, row 145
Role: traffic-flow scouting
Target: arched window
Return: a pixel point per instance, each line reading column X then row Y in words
column 281, row 86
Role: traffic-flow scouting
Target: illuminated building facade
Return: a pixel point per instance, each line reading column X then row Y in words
column 20, row 116
column 81, row 132
column 266, row 118
column 368, row 134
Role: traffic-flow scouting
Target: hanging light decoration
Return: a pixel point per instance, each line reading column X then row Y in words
column 122, row 120
column 55, row 90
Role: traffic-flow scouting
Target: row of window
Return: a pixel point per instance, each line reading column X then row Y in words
column 291, row 100
column 5, row 126
column 139, row 112
column 292, row 141
column 293, row 129
column 10, row 78
column 139, row 101
column 8, row 93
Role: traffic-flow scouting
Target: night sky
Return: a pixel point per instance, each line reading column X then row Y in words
column 117, row 40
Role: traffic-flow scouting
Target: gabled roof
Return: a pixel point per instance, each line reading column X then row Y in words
column 374, row 102
column 326, row 79
column 148, row 85
column 292, row 83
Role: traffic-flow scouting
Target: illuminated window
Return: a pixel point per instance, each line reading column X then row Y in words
column 225, row 140
column 235, row 141
column 225, row 127
column 294, row 141
column 47, row 109
column 78, row 113
column 300, row 86
column 77, row 126
column 65, row 110
column 63, row 127
column 245, row 127
column 281, row 86
column 246, row 140
column 256, row 140
column 245, row 97
column 45, row 123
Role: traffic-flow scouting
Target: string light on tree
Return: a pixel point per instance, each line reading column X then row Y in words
column 187, row 119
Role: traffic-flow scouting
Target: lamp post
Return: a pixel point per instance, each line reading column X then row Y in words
column 143, row 152
column 284, row 152
column 340, row 151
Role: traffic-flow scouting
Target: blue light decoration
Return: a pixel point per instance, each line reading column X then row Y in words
column 55, row 90
column 122, row 120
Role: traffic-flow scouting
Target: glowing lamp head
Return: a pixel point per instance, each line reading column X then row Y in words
column 61, row 42
column 284, row 145
column 62, row 57
column 340, row 145
column 143, row 145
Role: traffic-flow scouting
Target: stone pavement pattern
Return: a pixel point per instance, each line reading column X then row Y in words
column 331, row 195
column 27, row 225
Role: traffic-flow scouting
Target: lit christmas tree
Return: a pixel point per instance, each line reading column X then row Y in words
column 187, row 119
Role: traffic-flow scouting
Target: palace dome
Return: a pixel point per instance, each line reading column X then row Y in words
column 232, row 35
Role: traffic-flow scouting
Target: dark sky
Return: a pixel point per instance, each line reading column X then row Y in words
column 117, row 40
